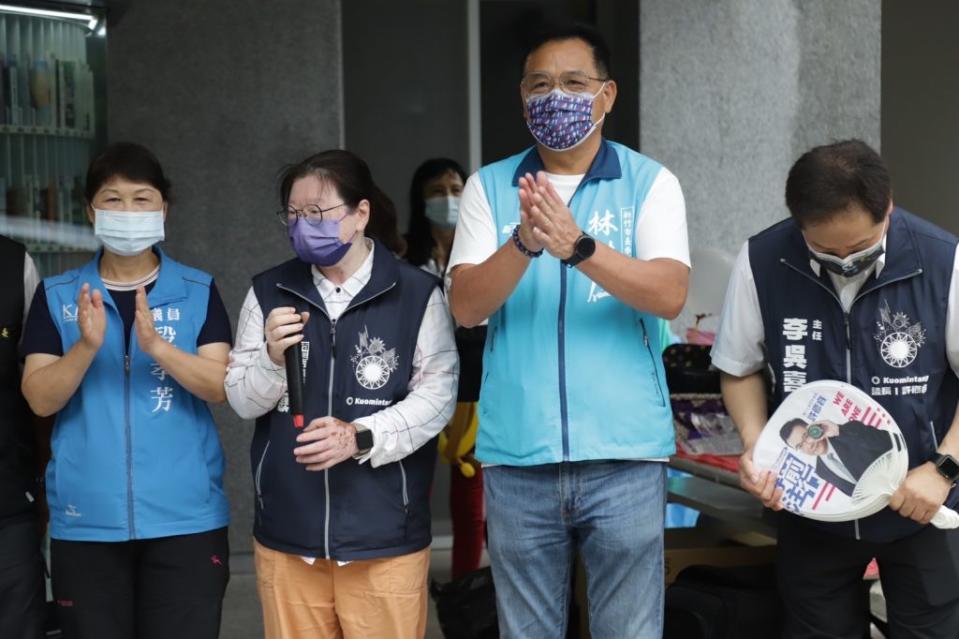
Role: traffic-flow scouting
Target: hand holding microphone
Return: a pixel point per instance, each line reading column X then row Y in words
column 284, row 332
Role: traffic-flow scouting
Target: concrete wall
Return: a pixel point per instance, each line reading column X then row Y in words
column 734, row 91
column 404, row 69
column 920, row 106
column 226, row 93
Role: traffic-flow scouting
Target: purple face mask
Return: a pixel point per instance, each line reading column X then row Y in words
column 559, row 121
column 318, row 243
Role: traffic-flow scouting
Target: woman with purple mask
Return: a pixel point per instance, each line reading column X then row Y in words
column 342, row 505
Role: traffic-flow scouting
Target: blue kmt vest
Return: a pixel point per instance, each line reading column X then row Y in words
column 351, row 511
column 891, row 344
column 135, row 455
column 570, row 372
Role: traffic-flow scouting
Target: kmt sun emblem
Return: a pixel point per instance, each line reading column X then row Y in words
column 899, row 341
column 373, row 362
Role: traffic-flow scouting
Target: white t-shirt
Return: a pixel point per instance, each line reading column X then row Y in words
column 660, row 230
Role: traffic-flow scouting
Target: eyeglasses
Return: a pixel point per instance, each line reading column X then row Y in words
column 539, row 83
column 311, row 213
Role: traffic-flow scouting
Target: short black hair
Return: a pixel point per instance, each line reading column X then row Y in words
column 128, row 160
column 788, row 427
column 555, row 32
column 827, row 179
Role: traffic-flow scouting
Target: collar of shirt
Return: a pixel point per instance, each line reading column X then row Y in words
column 353, row 284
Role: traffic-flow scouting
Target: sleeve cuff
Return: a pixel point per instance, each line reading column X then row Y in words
column 734, row 367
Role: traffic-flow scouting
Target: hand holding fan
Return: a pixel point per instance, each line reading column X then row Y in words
column 838, row 454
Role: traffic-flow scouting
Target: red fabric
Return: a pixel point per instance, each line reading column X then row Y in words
column 726, row 462
column 469, row 521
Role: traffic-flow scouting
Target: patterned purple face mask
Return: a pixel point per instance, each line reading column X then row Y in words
column 559, row 120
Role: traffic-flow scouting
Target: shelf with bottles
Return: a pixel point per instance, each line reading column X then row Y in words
column 47, row 82
column 48, row 134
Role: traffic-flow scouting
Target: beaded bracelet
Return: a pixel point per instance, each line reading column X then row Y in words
column 522, row 247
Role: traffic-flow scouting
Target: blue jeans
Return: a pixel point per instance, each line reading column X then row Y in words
column 611, row 512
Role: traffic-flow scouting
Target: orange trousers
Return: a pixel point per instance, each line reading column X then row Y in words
column 367, row 599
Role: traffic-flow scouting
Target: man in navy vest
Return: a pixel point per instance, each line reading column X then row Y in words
column 574, row 249
column 854, row 289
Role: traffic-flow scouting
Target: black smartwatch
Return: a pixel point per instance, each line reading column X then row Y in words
column 583, row 249
column 364, row 441
column 948, row 467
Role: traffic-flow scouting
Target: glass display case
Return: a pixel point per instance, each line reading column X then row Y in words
column 51, row 125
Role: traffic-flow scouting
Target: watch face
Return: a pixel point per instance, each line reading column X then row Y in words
column 585, row 247
column 364, row 439
column 949, row 467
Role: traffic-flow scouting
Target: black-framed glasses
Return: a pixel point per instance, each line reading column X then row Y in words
column 541, row 83
column 312, row 213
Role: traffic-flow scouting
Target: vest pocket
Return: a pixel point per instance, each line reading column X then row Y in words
column 660, row 395
column 406, row 496
column 258, row 476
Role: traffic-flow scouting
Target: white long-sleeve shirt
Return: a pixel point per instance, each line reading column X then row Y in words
column 254, row 384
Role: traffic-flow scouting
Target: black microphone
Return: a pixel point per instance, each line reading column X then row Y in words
column 294, row 381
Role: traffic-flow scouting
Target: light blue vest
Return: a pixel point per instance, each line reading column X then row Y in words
column 135, row 456
column 570, row 372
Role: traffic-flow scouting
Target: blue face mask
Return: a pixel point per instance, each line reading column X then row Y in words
column 559, row 120
column 128, row 233
column 443, row 211
column 318, row 242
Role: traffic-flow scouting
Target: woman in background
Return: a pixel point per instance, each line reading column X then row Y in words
column 434, row 208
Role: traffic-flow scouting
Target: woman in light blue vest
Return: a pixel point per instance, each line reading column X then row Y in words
column 127, row 351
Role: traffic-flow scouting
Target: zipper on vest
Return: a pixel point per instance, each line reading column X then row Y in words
column 561, row 343
column 329, row 411
column 845, row 316
column 353, row 304
column 845, row 319
column 128, row 431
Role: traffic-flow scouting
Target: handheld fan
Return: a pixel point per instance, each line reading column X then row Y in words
column 838, row 454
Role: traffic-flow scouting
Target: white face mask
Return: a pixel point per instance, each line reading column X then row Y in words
column 128, row 233
column 443, row 211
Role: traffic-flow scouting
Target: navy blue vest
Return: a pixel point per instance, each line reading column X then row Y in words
column 891, row 344
column 17, row 446
column 355, row 367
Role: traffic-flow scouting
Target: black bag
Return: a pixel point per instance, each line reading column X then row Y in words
column 708, row 602
column 689, row 369
column 466, row 607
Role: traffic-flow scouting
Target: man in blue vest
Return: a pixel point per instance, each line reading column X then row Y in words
column 854, row 289
column 574, row 250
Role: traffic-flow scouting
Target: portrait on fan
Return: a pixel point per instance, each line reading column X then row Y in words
column 835, row 451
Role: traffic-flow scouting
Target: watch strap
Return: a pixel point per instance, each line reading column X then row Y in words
column 948, row 467
column 577, row 257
